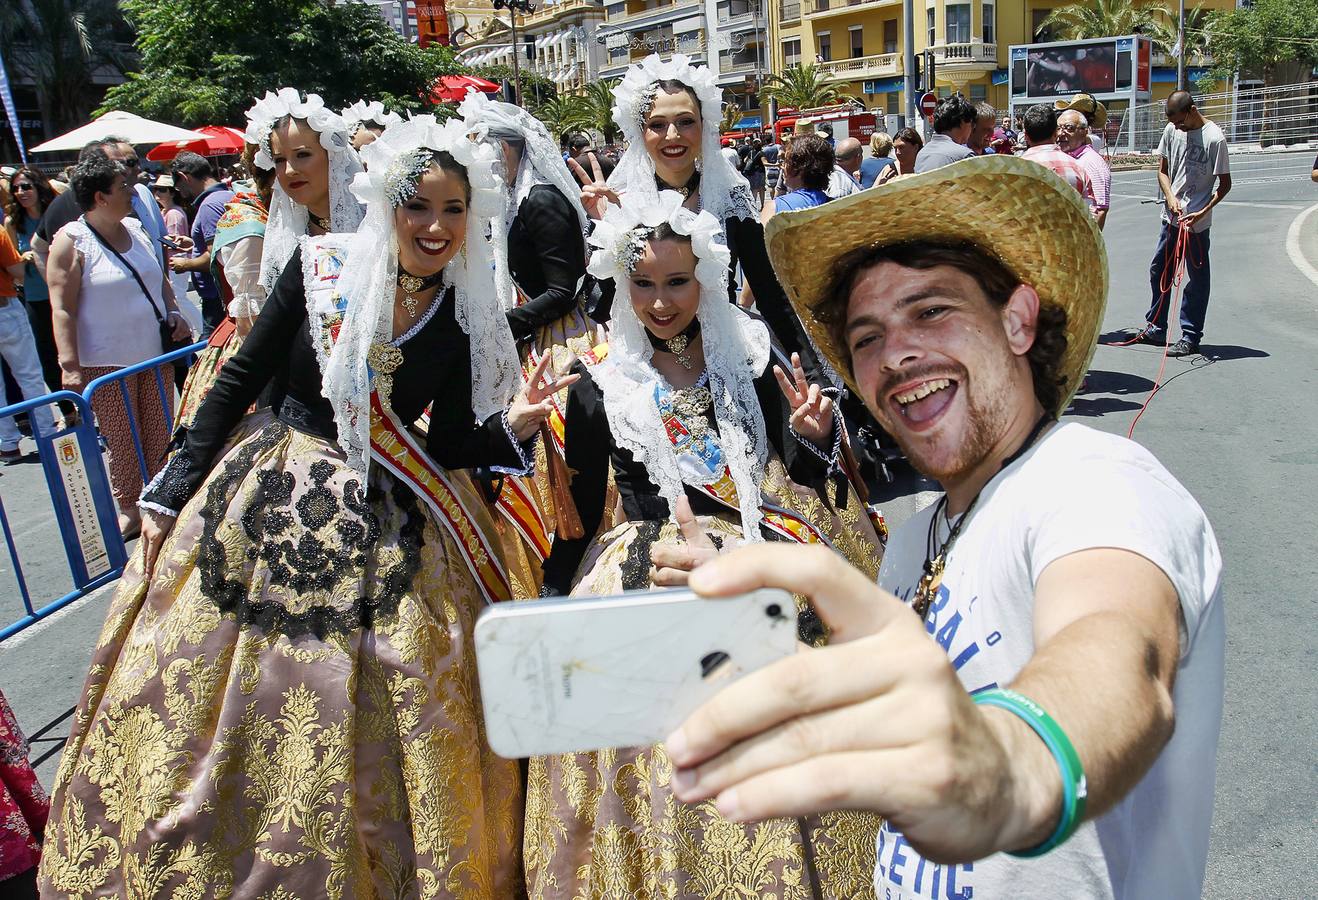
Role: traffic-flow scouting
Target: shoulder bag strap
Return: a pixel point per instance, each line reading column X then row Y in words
column 138, row 278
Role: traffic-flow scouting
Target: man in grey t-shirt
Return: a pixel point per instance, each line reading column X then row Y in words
column 954, row 119
column 1194, row 173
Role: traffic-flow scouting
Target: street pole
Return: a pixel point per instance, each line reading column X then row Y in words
column 908, row 62
column 1180, row 46
column 517, row 51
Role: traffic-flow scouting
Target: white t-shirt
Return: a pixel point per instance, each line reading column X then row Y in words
column 1194, row 160
column 1076, row 489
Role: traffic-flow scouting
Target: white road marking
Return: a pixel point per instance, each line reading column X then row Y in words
column 1293, row 245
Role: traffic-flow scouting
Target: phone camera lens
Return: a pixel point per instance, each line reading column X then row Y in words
column 773, row 611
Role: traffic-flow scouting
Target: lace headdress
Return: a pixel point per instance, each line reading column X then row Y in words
column 736, row 350
column 288, row 220
column 478, row 274
column 362, row 111
column 724, row 192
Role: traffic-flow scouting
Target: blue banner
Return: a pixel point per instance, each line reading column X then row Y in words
column 7, row 97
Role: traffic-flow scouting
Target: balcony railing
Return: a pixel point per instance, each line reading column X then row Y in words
column 789, row 10
column 971, row 52
column 823, row 7
column 728, row 67
column 863, row 66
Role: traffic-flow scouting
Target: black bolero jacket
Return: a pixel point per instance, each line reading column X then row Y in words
column 435, row 373
column 547, row 258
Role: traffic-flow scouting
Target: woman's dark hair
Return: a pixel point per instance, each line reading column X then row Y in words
column 910, row 136
column 673, row 86
column 810, row 157
column 45, row 193
column 94, row 175
column 264, row 179
column 450, row 165
column 992, row 276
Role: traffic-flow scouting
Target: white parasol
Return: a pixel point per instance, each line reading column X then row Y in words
column 134, row 129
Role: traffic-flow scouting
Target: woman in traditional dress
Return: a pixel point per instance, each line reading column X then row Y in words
column 307, row 149
column 366, row 121
column 24, row 807
column 669, row 114
column 684, row 407
column 284, row 702
column 546, row 227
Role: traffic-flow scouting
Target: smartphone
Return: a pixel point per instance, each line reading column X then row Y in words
column 170, row 244
column 577, row 674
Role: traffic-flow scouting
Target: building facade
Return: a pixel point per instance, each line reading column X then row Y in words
column 860, row 44
column 557, row 41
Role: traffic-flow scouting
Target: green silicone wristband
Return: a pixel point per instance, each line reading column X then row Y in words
column 1075, row 790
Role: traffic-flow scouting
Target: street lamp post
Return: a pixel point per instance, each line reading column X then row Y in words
column 1180, row 46
column 514, row 7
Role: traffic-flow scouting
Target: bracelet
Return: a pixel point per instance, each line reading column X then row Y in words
column 1075, row 790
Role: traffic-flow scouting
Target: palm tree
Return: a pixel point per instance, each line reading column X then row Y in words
column 58, row 44
column 1164, row 35
column 597, row 101
column 803, row 87
column 562, row 115
column 732, row 114
column 1105, row 18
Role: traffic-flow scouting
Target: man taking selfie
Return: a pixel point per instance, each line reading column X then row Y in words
column 1005, row 696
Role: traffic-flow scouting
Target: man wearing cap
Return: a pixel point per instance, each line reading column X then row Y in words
column 1005, row 695
column 1192, row 156
column 1095, row 114
column 1073, row 139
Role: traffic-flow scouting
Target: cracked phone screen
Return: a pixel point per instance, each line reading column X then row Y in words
column 563, row 675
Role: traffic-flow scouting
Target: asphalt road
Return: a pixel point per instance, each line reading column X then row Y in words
column 1236, row 425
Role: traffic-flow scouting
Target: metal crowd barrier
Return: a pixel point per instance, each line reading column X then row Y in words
column 79, row 487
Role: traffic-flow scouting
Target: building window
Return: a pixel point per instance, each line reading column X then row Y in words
column 791, row 53
column 618, row 55
column 825, row 51
column 978, row 93
column 932, row 37
column 890, row 36
column 857, row 35
column 957, row 23
column 731, row 9
column 990, row 31
column 614, row 10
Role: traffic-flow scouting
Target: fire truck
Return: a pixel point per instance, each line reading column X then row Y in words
column 841, row 121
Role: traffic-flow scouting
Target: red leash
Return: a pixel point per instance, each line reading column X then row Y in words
column 1169, row 285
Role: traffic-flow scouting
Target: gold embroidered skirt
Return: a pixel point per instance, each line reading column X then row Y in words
column 606, row 825
column 224, row 343
column 290, row 708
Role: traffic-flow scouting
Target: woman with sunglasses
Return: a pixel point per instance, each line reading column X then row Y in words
column 31, row 193
column 176, row 226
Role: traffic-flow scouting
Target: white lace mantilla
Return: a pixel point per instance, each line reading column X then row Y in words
column 736, row 350
column 478, row 274
column 724, row 192
column 287, row 223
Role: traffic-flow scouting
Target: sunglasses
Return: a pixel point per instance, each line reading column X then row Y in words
column 23, row 187
column 160, row 190
column 132, row 162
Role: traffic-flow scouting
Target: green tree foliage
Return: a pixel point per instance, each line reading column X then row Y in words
column 203, row 61
column 58, row 44
column 598, row 102
column 803, row 87
column 1106, row 18
column 1276, row 40
column 563, row 115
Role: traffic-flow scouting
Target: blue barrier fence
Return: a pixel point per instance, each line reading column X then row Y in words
column 79, row 488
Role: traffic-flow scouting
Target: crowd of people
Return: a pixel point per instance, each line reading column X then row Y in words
column 452, row 364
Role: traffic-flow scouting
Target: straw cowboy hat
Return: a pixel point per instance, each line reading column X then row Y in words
column 1087, row 104
column 1013, row 209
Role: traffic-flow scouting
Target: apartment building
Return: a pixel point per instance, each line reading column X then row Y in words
column 860, row 44
column 729, row 36
column 557, row 41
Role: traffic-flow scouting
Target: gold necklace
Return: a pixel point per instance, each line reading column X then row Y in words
column 415, row 284
column 322, row 224
column 678, row 346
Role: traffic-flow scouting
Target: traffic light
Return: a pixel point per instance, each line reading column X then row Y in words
column 928, row 72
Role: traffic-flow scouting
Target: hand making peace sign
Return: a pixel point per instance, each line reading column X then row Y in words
column 596, row 194
column 812, row 409
column 532, row 406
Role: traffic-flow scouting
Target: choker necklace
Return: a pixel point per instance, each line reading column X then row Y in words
column 678, row 345
column 322, row 224
column 935, row 559
column 415, row 284
column 692, row 184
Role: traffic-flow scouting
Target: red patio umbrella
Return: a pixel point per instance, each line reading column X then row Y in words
column 453, row 88
column 221, row 140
